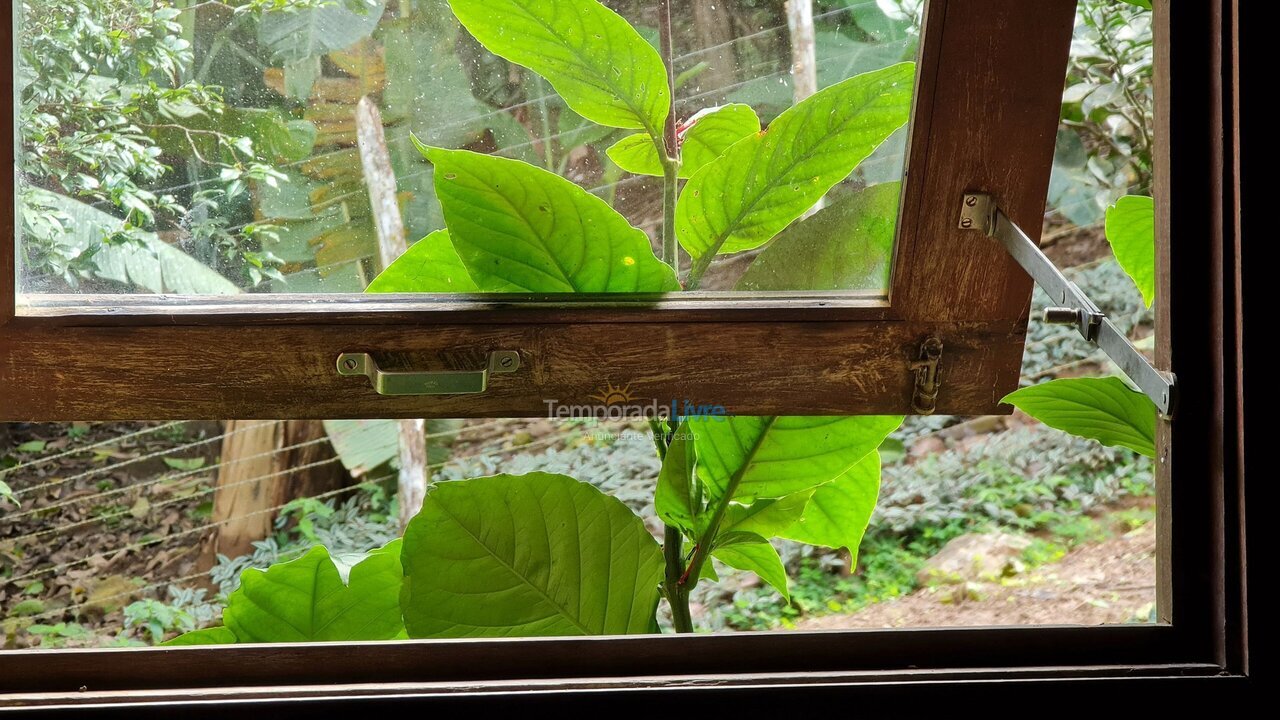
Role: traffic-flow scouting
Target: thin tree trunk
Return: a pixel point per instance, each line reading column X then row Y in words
column 381, row 181
column 804, row 58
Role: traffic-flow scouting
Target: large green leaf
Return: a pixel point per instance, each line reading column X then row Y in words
column 519, row 228
column 146, row 262
column 307, row 600
column 751, row 552
column 772, row 457
column 760, row 185
column 527, row 555
column 676, row 499
column 300, row 34
column 602, row 68
column 1102, row 409
column 847, row 245
column 1131, row 232
column 430, row 265
column 218, row 635
column 767, row 517
column 711, row 135
column 837, row 513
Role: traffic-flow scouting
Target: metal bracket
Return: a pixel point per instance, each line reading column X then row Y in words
column 924, row 399
column 978, row 211
column 448, row 382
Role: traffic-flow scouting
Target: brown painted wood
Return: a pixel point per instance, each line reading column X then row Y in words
column 1162, row 192
column 8, row 226
column 985, row 118
column 530, row 659
column 289, row 371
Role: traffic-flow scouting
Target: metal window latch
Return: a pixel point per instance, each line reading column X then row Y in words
column 924, row 400
column 448, row 382
column 978, row 211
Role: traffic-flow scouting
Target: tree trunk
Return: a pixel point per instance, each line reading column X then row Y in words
column 713, row 27
column 263, row 466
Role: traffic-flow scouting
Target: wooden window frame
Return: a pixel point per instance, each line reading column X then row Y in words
column 982, row 121
column 1200, row 648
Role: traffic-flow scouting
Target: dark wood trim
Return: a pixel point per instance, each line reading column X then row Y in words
column 289, row 371
column 1195, row 294
column 224, row 694
column 690, row 656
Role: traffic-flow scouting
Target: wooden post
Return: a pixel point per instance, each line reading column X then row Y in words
column 258, row 471
column 381, row 181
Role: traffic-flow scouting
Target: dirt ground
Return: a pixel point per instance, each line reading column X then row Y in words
column 1094, row 584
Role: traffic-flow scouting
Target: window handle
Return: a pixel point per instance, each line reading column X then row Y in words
column 446, row 382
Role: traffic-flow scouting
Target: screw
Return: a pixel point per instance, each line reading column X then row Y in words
column 966, row 223
column 506, row 361
column 970, row 200
column 350, row 364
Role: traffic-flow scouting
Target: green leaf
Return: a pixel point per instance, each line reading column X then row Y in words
column 207, row 636
column 1131, row 232
column 675, row 502
column 194, row 463
column 1144, row 4
column 519, row 228
column 442, row 111
column 6, row 492
column 430, row 265
column 309, row 32
column 32, row 446
column 837, row 513
column 772, row 457
column 529, row 555
column 750, row 552
column 847, row 245
column 769, row 517
column 1102, row 409
column 307, row 600
column 760, row 185
column 713, row 132
column 602, row 68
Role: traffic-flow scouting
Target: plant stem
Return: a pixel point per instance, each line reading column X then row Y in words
column 706, row 541
column 677, row 592
column 670, row 149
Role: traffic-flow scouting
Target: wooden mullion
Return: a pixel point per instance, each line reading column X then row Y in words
column 987, row 111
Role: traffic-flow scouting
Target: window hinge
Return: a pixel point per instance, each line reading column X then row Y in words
column 978, row 211
column 924, row 400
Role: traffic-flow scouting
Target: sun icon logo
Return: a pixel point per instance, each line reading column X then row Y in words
column 613, row 395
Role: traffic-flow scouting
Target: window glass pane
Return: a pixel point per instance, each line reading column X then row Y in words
column 186, row 147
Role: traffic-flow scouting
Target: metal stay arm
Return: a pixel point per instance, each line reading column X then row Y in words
column 979, row 212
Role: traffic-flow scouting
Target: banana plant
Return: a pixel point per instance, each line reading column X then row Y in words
column 546, row 554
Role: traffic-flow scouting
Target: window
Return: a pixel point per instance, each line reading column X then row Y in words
column 986, row 107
